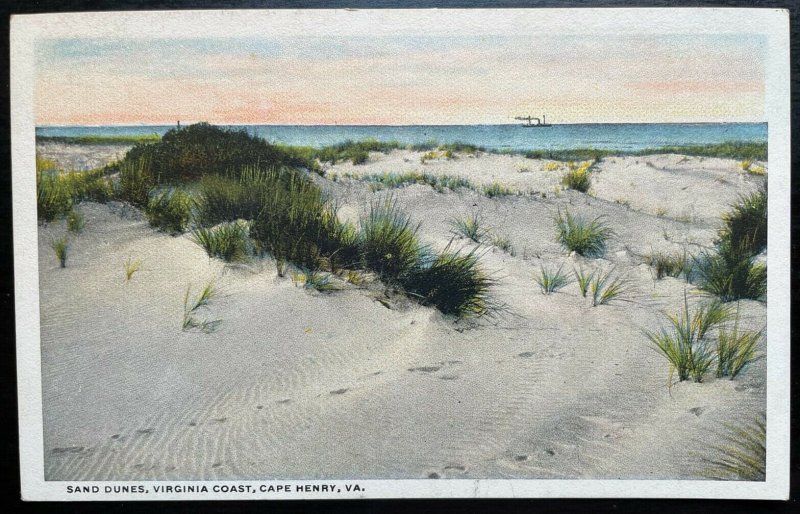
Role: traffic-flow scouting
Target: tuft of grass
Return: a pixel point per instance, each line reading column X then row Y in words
column 684, row 344
column 96, row 139
column 313, row 279
column 735, row 349
column 743, row 456
column 170, row 211
column 604, row 287
column 584, row 280
column 503, row 243
column 388, row 241
column 135, row 181
column 192, row 306
column 58, row 192
column 60, row 247
column 745, row 225
column 453, row 282
column 496, row 189
column 746, row 164
column 391, row 180
column 757, row 170
column 470, row 227
column 227, row 241
column 731, row 277
column 578, row 178
column 552, row 166
column 550, row 281
column 75, row 221
column 671, row 265
column 131, row 267
column 587, row 238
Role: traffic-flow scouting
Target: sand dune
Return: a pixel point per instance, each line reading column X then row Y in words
column 339, row 385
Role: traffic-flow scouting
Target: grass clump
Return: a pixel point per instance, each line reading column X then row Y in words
column 231, row 197
column 135, row 181
column 578, row 177
column 57, row 192
column 671, row 265
column 604, row 287
column 550, row 281
column 587, row 238
column 453, row 282
column 742, row 150
column 131, row 267
column 388, row 241
column 75, row 221
column 94, row 139
column 470, row 227
column 496, row 189
column 60, row 247
column 584, row 280
column 192, row 306
column 744, row 454
column 503, row 243
column 313, row 279
column 736, row 349
column 356, row 152
column 684, row 343
column 227, row 241
column 170, row 211
column 395, row 180
column 732, row 271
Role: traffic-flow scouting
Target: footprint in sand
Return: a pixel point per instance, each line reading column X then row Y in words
column 520, row 458
column 525, row 355
column 433, row 475
column 115, row 437
column 425, row 369
column 340, row 391
column 455, row 467
column 69, row 449
column 145, row 431
column 192, row 423
column 216, row 465
column 219, row 420
column 287, row 400
column 448, row 377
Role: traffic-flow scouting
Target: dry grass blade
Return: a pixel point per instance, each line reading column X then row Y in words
column 743, row 456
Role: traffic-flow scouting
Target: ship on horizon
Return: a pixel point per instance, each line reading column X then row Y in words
column 529, row 121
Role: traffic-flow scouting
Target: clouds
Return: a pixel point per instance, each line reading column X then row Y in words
column 401, row 79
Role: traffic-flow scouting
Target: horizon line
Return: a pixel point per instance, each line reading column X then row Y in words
column 168, row 124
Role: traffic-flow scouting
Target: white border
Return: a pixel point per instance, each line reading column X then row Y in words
column 772, row 23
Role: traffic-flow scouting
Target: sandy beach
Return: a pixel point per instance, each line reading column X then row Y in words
column 364, row 383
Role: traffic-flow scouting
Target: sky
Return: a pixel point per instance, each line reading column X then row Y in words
column 401, row 80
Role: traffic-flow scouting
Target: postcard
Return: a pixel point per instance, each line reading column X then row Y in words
column 479, row 253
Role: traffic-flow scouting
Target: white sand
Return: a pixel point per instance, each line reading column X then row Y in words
column 308, row 385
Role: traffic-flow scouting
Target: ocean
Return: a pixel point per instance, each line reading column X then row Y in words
column 611, row 136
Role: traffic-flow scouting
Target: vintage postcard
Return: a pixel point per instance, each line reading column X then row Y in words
column 402, row 253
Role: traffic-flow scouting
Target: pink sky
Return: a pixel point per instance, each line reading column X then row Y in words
column 401, row 80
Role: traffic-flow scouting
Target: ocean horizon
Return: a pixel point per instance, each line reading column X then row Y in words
column 513, row 137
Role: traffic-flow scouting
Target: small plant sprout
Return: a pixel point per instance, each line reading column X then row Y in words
column 550, row 281
column 470, row 227
column 60, row 247
column 605, row 287
column 584, row 280
column 131, row 267
column 736, row 349
column 503, row 243
column 192, row 306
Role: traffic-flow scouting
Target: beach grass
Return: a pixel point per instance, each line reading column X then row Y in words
column 471, row 227
column 314, row 279
column 60, row 246
column 550, row 281
column 96, row 139
column 392, row 180
column 496, row 189
column 671, row 265
column 684, row 343
column 58, row 191
column 576, row 234
column 736, row 349
column 135, row 181
column 731, row 271
column 75, row 221
column 170, row 211
column 454, row 282
column 388, row 241
column 584, row 280
column 193, row 305
column 227, row 241
column 578, row 177
column 131, row 267
column 743, row 456
column 605, row 287
column 504, row 243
